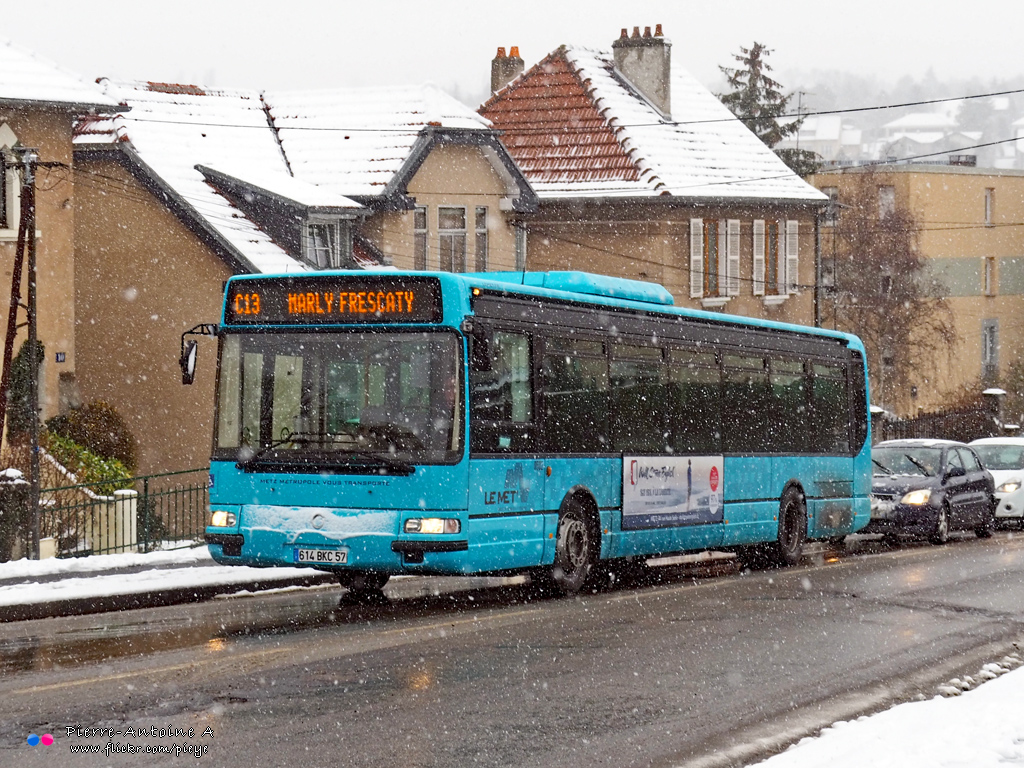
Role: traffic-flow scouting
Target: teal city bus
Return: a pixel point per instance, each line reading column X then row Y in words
column 373, row 423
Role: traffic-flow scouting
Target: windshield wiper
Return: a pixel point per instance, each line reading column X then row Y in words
column 378, row 460
column 881, row 466
column 397, row 466
column 294, row 437
column 918, row 464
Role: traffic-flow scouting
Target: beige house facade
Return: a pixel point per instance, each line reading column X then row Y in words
column 39, row 104
column 971, row 234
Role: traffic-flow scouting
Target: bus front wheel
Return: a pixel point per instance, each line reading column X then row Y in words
column 363, row 582
column 576, row 549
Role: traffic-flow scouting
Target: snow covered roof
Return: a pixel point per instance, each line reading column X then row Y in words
column 578, row 130
column 315, row 150
column 355, row 141
column 922, row 121
column 25, row 77
column 171, row 129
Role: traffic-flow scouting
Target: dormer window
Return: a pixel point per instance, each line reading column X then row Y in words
column 328, row 244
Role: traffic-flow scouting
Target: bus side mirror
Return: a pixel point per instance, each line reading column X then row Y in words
column 189, row 348
column 188, row 361
column 480, row 350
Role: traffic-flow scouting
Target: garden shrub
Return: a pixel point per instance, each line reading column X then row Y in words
column 99, row 428
column 103, row 476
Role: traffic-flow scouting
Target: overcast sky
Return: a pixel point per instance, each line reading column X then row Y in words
column 318, row 44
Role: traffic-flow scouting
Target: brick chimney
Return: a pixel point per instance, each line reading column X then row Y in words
column 646, row 62
column 505, row 69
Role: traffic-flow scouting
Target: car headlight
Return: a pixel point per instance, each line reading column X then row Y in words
column 1009, row 486
column 917, row 498
column 221, row 519
column 433, row 525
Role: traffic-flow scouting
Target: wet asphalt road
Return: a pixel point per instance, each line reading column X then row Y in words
column 709, row 666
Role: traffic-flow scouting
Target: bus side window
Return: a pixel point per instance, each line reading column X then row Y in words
column 575, row 396
column 636, row 412
column 746, row 405
column 789, row 410
column 830, row 409
column 693, row 399
column 501, row 396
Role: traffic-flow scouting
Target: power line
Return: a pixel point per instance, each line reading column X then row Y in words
column 413, row 129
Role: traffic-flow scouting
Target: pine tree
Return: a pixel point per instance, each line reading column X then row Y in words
column 758, row 101
column 756, row 98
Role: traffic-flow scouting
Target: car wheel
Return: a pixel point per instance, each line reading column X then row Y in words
column 984, row 531
column 941, row 533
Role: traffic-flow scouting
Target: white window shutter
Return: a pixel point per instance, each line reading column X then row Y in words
column 732, row 250
column 792, row 256
column 723, row 257
column 696, row 258
column 758, row 279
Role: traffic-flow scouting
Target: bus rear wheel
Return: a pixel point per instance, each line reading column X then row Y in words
column 788, row 548
column 577, row 547
column 363, row 582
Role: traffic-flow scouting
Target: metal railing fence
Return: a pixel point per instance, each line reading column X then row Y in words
column 156, row 511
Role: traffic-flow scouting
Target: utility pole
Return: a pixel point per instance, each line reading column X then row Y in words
column 29, row 160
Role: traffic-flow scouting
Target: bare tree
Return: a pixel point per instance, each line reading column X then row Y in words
column 882, row 289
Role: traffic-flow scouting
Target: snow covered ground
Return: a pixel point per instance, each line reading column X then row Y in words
column 980, row 728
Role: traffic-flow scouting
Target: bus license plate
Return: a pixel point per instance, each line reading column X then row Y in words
column 332, row 556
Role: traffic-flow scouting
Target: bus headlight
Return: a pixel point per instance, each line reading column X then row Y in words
column 1009, row 486
column 433, row 525
column 221, row 519
column 917, row 498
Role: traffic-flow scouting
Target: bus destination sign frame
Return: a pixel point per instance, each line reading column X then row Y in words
column 333, row 300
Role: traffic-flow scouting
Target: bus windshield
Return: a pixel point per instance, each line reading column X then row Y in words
column 339, row 399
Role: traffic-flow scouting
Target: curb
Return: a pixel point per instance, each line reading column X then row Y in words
column 153, row 599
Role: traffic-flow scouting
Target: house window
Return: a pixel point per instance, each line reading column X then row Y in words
column 451, row 229
column 776, row 269
column 481, row 239
column 830, row 215
column 990, row 276
column 714, row 258
column 320, row 245
column 419, row 238
column 328, row 244
column 990, row 202
column 10, row 185
column 520, row 247
column 886, row 202
column 989, row 350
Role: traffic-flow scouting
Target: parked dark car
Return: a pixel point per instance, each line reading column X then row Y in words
column 927, row 488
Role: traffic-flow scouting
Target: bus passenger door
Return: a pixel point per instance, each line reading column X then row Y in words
column 506, row 487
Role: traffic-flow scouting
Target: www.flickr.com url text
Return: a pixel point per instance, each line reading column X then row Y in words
column 189, row 744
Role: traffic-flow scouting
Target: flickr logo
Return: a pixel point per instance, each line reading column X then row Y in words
column 34, row 741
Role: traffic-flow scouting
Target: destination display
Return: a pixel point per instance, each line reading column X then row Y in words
column 663, row 491
column 314, row 299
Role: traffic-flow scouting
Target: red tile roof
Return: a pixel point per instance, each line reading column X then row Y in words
column 552, row 127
